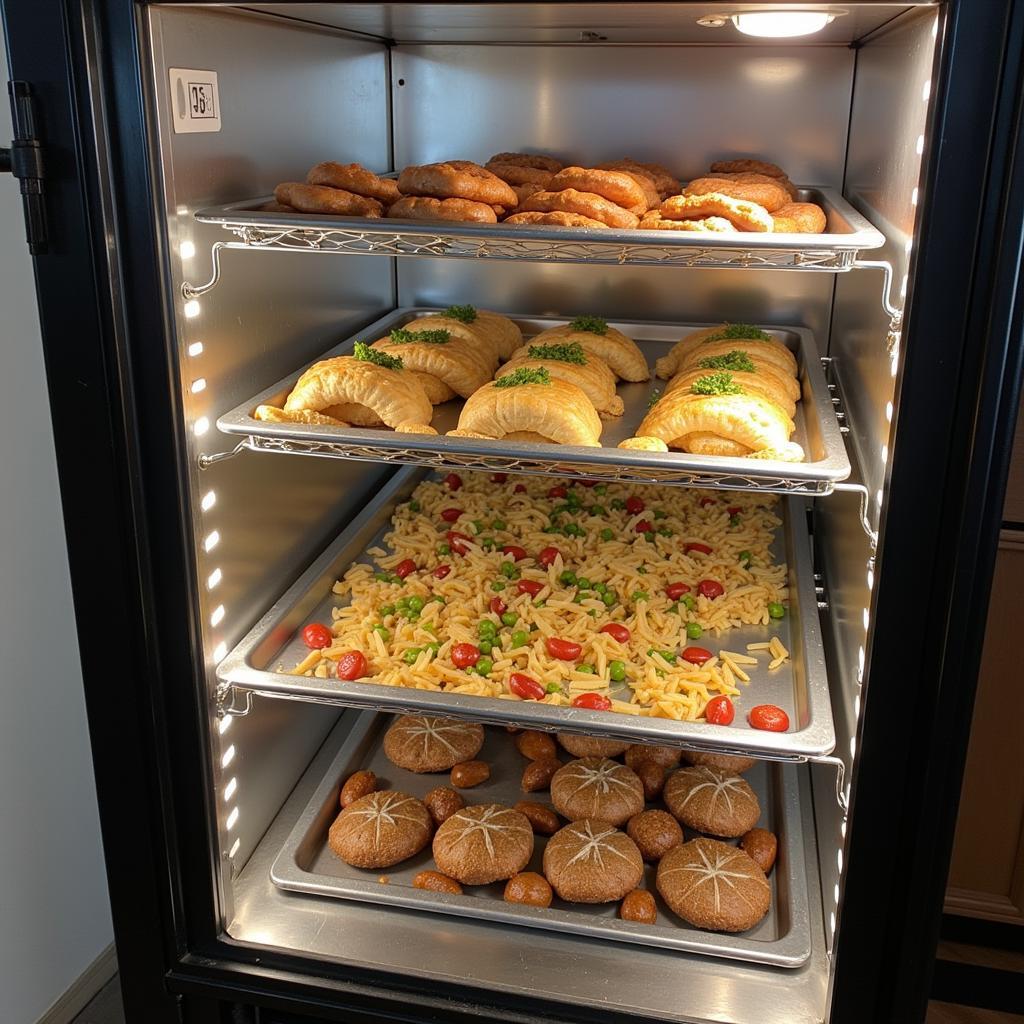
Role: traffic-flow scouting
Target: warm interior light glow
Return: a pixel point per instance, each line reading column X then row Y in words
column 196, row 348
column 220, row 652
column 234, row 847
column 187, row 250
column 209, row 500
column 780, row 24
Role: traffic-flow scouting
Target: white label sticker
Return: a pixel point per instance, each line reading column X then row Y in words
column 195, row 104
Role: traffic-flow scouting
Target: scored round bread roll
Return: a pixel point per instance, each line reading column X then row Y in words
column 729, row 763
column 421, row 743
column 590, row 746
column 664, row 757
column 712, row 801
column 589, row 861
column 380, row 829
column 483, row 844
column 711, row 884
column 594, row 787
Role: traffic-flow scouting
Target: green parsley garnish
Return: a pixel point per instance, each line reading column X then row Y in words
column 374, row 355
column 572, row 353
column 720, row 383
column 590, row 324
column 523, row 375
column 730, row 331
column 467, row 314
column 401, row 337
column 736, row 360
column 653, row 400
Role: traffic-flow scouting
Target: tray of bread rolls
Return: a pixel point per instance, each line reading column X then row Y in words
column 715, row 405
column 613, row 842
column 641, row 613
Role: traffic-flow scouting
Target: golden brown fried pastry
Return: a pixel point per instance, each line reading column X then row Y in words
column 616, row 186
column 545, row 163
column 803, row 218
column 456, row 179
column 390, row 394
column 665, row 182
column 593, row 334
column 519, row 174
column 428, row 208
column 752, row 176
column 495, row 336
column 647, row 180
column 643, row 444
column 769, row 194
column 570, row 363
column 588, row 204
column 655, row 221
column 743, row 215
column 554, row 219
column 355, row 178
column 271, row 414
column 720, row 339
column 747, row 166
column 276, row 207
column 439, row 354
column 321, row 199
column 523, row 192
column 767, row 385
column 534, row 403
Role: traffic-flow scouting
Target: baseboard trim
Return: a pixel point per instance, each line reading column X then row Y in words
column 83, row 989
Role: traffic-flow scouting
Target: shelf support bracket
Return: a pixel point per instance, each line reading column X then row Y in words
column 840, row 767
column 193, row 291
column 231, row 702
column 845, row 487
column 891, row 310
column 207, row 460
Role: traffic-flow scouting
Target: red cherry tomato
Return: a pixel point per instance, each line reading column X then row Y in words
column 676, row 590
column 457, row 541
column 499, row 478
column 558, row 492
column 644, row 526
column 405, row 567
column 635, row 505
column 525, row 687
column 498, row 606
column 519, row 489
column 734, row 510
column 453, row 481
column 705, row 501
column 441, row 571
column 588, row 483
column 317, row 636
column 768, row 716
column 449, row 515
column 719, row 711
column 616, row 631
column 710, row 589
column 351, row 665
column 564, row 650
column 695, row 545
column 547, row 556
column 696, row 655
column 465, row 655
column 531, row 587
column 592, row 702
column 515, row 551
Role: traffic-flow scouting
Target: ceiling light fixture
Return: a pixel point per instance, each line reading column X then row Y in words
column 781, row 24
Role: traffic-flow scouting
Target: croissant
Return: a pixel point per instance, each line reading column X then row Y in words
column 451, row 360
column 569, row 362
column 369, row 380
column 487, row 332
column 720, row 340
column 766, row 384
column 271, row 414
column 531, row 405
column 595, row 336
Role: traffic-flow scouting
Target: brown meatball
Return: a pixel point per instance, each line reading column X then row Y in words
column 655, row 833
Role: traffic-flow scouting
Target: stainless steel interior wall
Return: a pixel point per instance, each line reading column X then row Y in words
column 887, row 128
column 290, row 95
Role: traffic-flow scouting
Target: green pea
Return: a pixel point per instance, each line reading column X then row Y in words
column 618, row 504
column 669, row 656
column 382, row 577
column 606, row 534
column 592, row 612
column 438, row 598
column 600, row 489
column 499, row 524
column 617, row 671
column 434, row 648
column 582, row 582
column 411, row 655
column 560, row 509
column 507, row 569
column 642, row 570
column 551, row 529
column 387, row 609
column 383, row 632
column 414, row 616
column 745, row 557
column 734, row 520
column 578, row 599
column 486, row 628
column 509, row 618
column 430, row 628
column 688, row 601
column 673, row 608
column 497, row 586
column 568, row 577
column 443, row 549
column 414, row 505
column 659, row 513
column 573, row 530
column 416, row 603
column 485, row 646
column 520, row 638
column 478, row 526
column 609, row 599
column 641, row 595
column 553, row 688
column 484, row 666
column 664, row 531
column 585, row 669
column 650, row 538
column 573, row 498
column 598, row 510
column 693, row 630
column 776, row 610
column 402, row 604
column 540, row 604
column 601, row 588
column 488, row 543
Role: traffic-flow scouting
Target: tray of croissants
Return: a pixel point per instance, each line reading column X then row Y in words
column 746, row 202
column 471, row 387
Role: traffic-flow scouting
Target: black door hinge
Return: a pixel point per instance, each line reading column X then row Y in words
column 25, row 161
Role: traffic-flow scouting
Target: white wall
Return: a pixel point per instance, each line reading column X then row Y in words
column 54, row 917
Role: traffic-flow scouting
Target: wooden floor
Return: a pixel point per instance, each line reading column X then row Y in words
column 105, row 1007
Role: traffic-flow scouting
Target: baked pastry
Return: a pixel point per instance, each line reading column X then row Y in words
column 496, row 336
column 429, row 208
column 456, row 179
column 321, row 199
column 770, row 194
column 554, row 219
column 534, row 406
column 594, row 787
column 421, row 743
column 743, row 215
column 595, row 337
column 520, row 174
column 713, row 885
column 800, row 218
column 590, row 746
column 655, row 833
column 355, row 178
column 617, row 187
column 665, row 182
column 570, row 363
column 731, row 764
column 654, row 220
column 721, row 340
column 544, row 163
column 434, row 352
column 643, row 177
column 771, row 385
column 666, row 757
column 589, row 861
column 643, row 444
column 709, row 800
column 589, row 204
column 271, row 414
column 753, row 176
column 380, row 829
column 276, row 207
column 367, row 381
column 483, row 844
column 747, row 165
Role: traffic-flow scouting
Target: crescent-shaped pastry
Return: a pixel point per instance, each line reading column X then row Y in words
column 767, row 385
column 489, row 333
column 720, row 340
column 437, row 352
column 569, row 362
column 621, row 354
column 532, row 402
column 360, row 379
column 740, row 359
column 643, row 444
column 271, row 414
